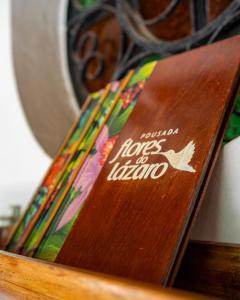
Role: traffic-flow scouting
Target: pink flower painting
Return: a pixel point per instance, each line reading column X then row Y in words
column 88, row 174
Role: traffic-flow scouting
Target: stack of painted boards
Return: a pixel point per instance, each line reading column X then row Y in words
column 123, row 191
column 49, row 218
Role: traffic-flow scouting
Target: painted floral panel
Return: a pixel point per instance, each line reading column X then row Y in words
column 74, row 200
column 31, row 242
column 53, row 175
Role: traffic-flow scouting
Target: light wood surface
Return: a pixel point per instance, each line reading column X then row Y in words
column 25, row 278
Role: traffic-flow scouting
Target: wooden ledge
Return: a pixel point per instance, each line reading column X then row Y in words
column 211, row 268
column 25, row 278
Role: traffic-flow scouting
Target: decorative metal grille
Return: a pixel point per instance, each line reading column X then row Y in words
column 136, row 39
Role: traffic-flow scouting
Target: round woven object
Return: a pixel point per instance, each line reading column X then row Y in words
column 40, row 61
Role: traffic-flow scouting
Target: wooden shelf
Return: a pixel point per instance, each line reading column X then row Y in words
column 25, row 278
column 213, row 269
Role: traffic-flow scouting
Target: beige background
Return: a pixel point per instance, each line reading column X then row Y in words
column 22, row 161
column 40, row 59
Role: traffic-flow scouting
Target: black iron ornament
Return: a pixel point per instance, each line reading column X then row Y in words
column 136, row 41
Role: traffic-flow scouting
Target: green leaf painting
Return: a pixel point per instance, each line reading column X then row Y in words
column 142, row 73
column 120, row 121
column 233, row 129
column 87, row 3
column 55, row 242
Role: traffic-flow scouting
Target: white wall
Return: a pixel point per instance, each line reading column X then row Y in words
column 22, row 161
column 219, row 217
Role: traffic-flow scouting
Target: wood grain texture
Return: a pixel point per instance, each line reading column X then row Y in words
column 212, row 269
column 25, row 278
column 139, row 228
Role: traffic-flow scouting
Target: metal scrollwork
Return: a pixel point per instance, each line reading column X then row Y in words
column 136, row 40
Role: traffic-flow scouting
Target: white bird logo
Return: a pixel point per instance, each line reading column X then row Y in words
column 180, row 160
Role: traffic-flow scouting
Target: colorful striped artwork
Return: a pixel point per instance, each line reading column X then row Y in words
column 66, row 180
column 55, row 172
column 74, row 200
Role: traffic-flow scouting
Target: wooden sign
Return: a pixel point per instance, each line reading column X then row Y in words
column 135, row 222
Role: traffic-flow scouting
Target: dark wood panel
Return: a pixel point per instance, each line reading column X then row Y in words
column 216, row 7
column 177, row 25
column 212, row 269
column 139, row 228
